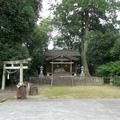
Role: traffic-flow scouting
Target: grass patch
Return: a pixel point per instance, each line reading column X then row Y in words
column 77, row 92
column 70, row 92
column 7, row 94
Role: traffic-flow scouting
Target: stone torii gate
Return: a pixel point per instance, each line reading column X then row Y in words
column 14, row 65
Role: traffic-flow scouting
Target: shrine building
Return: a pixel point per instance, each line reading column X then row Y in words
column 61, row 62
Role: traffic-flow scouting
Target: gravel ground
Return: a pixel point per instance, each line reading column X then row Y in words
column 84, row 109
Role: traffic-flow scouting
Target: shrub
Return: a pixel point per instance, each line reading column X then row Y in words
column 111, row 68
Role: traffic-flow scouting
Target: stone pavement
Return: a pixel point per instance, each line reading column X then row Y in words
column 84, row 109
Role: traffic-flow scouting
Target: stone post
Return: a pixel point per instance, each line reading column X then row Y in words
column 41, row 71
column 82, row 74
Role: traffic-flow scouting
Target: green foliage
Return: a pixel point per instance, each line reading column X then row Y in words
column 111, row 68
column 72, row 16
column 17, row 20
column 37, row 45
column 13, row 52
column 39, row 37
column 115, row 51
column 103, row 47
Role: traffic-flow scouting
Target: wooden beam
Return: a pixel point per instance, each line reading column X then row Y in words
column 16, row 62
column 16, row 67
column 52, row 68
column 52, row 58
column 62, row 57
column 61, row 62
column 71, row 58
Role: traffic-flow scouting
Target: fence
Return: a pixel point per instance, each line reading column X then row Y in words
column 40, row 80
column 113, row 80
column 67, row 80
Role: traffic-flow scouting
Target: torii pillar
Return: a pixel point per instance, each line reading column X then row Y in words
column 3, row 78
column 21, row 74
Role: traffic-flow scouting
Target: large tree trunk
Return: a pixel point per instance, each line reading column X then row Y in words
column 84, row 57
column 84, row 47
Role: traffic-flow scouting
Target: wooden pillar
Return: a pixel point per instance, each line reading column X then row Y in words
column 52, row 68
column 71, row 67
column 21, row 74
column 52, row 75
column 3, row 78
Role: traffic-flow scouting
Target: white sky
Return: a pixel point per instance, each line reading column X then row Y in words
column 45, row 9
column 45, row 12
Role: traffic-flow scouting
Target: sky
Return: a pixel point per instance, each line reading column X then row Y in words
column 45, row 9
column 46, row 5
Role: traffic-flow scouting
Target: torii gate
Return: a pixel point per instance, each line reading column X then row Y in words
column 13, row 65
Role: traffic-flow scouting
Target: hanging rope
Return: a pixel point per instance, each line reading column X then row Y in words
column 10, row 72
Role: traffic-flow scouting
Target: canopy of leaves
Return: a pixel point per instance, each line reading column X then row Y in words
column 17, row 20
column 70, row 18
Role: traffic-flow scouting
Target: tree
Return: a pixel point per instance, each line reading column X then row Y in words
column 78, row 18
column 17, row 21
column 37, row 44
column 102, row 48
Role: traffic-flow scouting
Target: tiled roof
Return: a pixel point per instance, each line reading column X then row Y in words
column 62, row 53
